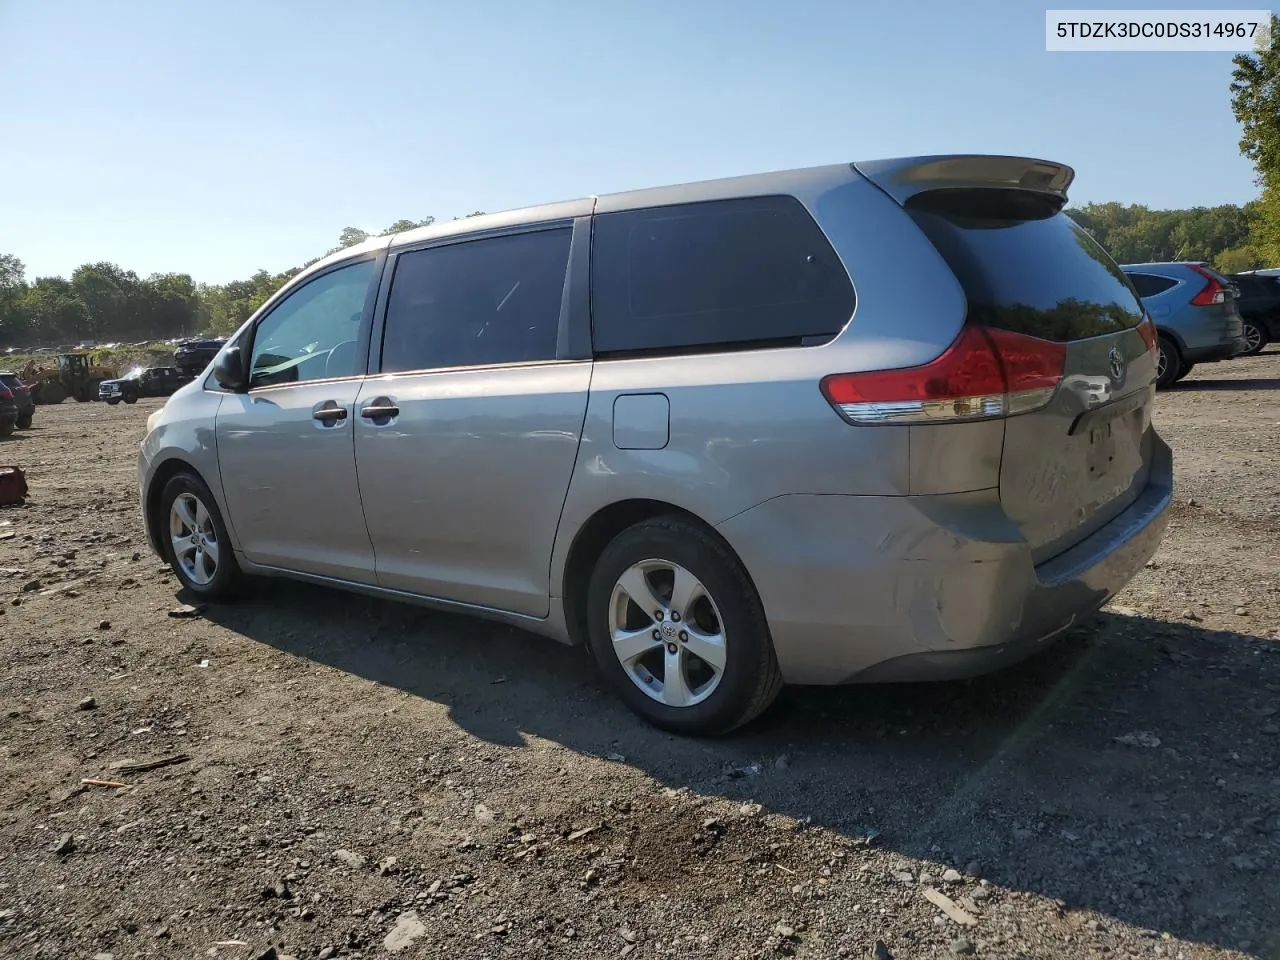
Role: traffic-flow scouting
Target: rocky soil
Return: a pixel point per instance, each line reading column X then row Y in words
column 314, row 775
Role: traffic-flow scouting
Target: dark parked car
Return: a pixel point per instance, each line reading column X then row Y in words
column 193, row 356
column 8, row 411
column 26, row 404
column 151, row 382
column 1259, row 305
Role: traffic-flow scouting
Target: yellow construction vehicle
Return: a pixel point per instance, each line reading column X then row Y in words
column 76, row 375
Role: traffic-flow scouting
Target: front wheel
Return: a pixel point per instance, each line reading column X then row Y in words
column 1168, row 364
column 1255, row 337
column 195, row 538
column 676, row 627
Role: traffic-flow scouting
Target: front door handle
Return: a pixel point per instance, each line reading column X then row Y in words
column 330, row 412
column 380, row 408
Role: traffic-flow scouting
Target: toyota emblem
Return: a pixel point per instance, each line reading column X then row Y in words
column 1116, row 364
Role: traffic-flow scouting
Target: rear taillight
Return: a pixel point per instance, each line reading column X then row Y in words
column 985, row 373
column 1147, row 330
column 6, row 393
column 1213, row 291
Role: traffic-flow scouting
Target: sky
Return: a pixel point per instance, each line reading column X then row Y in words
column 222, row 136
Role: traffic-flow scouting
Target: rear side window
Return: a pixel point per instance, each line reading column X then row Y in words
column 1024, row 266
column 477, row 303
column 1257, row 288
column 1148, row 284
column 715, row 275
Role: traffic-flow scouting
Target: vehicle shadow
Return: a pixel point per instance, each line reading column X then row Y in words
column 1132, row 770
column 1190, row 386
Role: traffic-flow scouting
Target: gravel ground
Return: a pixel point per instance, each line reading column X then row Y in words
column 354, row 778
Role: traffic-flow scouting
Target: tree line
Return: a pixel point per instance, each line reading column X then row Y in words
column 105, row 302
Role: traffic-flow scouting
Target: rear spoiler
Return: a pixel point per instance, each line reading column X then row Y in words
column 906, row 177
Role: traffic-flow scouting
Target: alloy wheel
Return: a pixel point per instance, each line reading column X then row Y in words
column 194, row 539
column 667, row 633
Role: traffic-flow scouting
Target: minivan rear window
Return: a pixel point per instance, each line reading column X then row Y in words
column 721, row 274
column 1025, row 266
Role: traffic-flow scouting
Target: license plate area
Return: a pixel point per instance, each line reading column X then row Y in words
column 1102, row 449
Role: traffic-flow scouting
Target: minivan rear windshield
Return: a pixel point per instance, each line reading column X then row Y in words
column 1025, row 266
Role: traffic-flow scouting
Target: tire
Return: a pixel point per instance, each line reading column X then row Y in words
column 7, row 428
column 728, row 615
column 112, row 403
column 1255, row 334
column 131, row 399
column 1183, row 371
column 24, row 423
column 1169, row 364
column 52, row 392
column 225, row 576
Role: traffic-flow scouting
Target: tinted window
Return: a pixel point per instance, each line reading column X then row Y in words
column 1257, row 288
column 475, row 303
column 1025, row 266
column 1148, row 284
column 714, row 274
column 314, row 333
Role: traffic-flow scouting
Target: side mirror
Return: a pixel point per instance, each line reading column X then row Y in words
column 228, row 370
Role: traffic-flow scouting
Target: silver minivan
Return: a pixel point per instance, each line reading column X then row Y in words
column 875, row 422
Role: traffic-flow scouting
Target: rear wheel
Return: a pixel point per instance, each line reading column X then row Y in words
column 131, row 398
column 1168, row 363
column 1255, row 336
column 676, row 627
column 195, row 538
column 1186, row 368
column 7, row 428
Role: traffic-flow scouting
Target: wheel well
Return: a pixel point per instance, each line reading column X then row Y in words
column 595, row 535
column 1172, row 337
column 163, row 474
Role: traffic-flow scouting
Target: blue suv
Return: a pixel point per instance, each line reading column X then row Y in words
column 1195, row 313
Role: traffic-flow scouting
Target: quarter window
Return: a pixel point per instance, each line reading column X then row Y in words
column 314, row 333
column 714, row 275
column 1148, row 284
column 477, row 302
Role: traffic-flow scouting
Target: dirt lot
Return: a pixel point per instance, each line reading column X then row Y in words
column 356, row 770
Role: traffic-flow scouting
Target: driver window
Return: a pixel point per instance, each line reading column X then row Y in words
column 314, row 333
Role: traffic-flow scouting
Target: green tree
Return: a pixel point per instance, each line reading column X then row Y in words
column 1137, row 234
column 1236, row 259
column 1255, row 101
column 403, row 226
column 350, row 236
column 110, row 296
column 13, row 289
column 55, row 313
column 12, row 272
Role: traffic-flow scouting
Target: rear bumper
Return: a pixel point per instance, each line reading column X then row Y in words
column 1216, row 352
column 880, row 589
